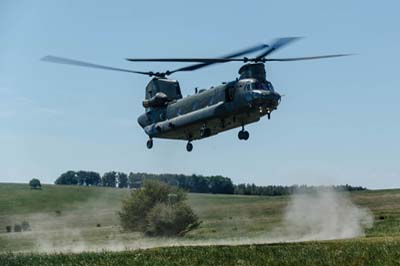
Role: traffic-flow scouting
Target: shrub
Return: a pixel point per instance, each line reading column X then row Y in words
column 35, row 184
column 8, row 228
column 170, row 219
column 156, row 209
column 25, row 226
column 17, row 228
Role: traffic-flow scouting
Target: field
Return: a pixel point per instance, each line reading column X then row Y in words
column 81, row 219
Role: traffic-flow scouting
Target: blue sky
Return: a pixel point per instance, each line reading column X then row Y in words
column 338, row 122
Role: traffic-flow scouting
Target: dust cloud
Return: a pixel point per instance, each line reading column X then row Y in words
column 322, row 215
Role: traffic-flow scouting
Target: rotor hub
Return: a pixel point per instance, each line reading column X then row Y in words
column 253, row 70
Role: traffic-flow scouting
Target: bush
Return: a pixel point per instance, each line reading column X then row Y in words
column 17, row 228
column 170, row 219
column 25, row 226
column 35, row 184
column 156, row 209
column 8, row 228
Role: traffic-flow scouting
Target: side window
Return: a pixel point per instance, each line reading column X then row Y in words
column 178, row 91
column 229, row 93
column 270, row 87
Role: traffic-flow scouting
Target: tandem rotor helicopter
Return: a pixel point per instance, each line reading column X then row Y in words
column 209, row 111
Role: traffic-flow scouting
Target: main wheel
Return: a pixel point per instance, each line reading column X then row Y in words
column 246, row 135
column 240, row 134
column 189, row 147
column 149, row 144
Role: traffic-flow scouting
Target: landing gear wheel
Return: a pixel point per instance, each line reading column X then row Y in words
column 149, row 144
column 269, row 115
column 189, row 146
column 243, row 135
column 240, row 134
column 246, row 135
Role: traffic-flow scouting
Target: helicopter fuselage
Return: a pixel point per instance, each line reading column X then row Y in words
column 209, row 112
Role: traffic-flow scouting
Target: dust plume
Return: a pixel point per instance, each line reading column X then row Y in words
column 324, row 214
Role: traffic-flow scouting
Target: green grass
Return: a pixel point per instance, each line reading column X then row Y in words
column 20, row 199
column 66, row 218
column 380, row 251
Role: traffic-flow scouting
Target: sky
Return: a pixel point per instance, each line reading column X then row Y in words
column 338, row 122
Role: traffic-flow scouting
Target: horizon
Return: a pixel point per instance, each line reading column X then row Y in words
column 234, row 183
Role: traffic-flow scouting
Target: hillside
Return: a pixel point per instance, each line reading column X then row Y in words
column 71, row 218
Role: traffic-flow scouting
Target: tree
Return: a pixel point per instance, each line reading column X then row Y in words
column 82, row 178
column 88, row 178
column 109, row 179
column 122, row 180
column 35, row 184
column 67, row 178
column 93, row 179
column 134, row 180
column 221, row 185
column 157, row 209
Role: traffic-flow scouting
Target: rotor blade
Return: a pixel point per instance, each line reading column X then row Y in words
column 208, row 61
column 236, row 54
column 277, row 44
column 61, row 60
column 305, row 58
column 224, row 60
column 202, row 60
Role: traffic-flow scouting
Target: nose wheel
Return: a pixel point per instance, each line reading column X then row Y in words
column 189, row 146
column 243, row 134
column 149, row 143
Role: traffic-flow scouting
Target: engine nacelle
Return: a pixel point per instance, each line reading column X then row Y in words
column 253, row 70
column 158, row 100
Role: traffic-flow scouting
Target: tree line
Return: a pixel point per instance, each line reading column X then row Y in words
column 252, row 189
column 90, row 178
column 191, row 183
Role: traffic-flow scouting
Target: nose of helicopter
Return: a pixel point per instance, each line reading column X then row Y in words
column 268, row 98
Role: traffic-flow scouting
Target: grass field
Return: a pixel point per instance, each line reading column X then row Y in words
column 380, row 251
column 80, row 219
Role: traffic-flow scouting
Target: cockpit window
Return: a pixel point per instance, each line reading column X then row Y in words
column 269, row 85
column 262, row 86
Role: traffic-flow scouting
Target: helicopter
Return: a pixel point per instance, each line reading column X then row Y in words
column 232, row 104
